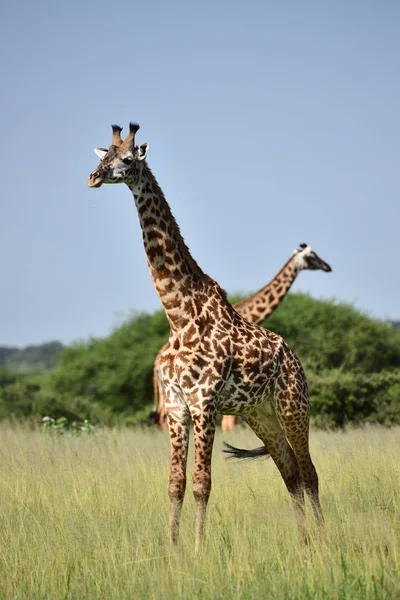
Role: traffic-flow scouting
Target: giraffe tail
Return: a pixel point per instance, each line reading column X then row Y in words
column 241, row 453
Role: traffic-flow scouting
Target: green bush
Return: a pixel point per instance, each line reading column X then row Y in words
column 9, row 376
column 34, row 397
column 115, row 372
column 338, row 398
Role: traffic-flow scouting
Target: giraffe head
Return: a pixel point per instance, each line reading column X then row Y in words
column 306, row 258
column 122, row 161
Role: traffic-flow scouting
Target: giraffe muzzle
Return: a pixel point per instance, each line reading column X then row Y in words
column 95, row 179
column 316, row 263
column 324, row 266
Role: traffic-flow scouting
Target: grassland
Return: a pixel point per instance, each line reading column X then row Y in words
column 86, row 517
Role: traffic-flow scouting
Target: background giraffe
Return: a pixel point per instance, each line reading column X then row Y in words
column 254, row 309
column 217, row 362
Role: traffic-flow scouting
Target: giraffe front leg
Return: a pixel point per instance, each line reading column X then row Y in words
column 178, row 425
column 204, row 432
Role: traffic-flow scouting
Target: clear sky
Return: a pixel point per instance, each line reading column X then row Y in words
column 270, row 124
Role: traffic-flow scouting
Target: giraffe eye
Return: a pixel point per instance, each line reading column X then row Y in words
column 127, row 161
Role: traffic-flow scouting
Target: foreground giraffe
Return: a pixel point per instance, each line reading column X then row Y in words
column 217, row 362
column 254, row 309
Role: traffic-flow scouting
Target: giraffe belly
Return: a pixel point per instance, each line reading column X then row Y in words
column 239, row 398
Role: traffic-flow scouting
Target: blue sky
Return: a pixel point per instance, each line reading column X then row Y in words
column 270, row 124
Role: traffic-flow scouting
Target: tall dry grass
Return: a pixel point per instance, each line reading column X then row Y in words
column 86, row 517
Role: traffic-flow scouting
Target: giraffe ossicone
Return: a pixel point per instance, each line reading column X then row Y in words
column 211, row 344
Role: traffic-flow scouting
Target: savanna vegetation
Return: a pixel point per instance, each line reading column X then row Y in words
column 352, row 364
column 85, row 516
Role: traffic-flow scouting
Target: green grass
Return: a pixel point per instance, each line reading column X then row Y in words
column 86, row 517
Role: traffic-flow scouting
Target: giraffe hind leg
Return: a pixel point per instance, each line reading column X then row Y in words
column 300, row 445
column 267, row 427
column 295, row 424
column 292, row 406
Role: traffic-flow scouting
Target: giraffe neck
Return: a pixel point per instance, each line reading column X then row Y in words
column 260, row 305
column 176, row 275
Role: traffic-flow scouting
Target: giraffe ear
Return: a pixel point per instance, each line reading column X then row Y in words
column 142, row 151
column 101, row 152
